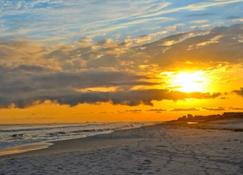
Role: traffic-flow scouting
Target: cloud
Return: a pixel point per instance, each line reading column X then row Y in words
column 130, row 97
column 19, row 52
column 214, row 108
column 200, row 15
column 25, row 85
column 200, row 21
column 109, row 70
column 27, row 79
column 204, row 5
column 129, row 54
column 47, row 20
column 157, row 110
column 236, row 109
column 23, row 4
column 43, row 19
column 134, row 111
column 185, row 109
column 213, row 46
column 211, row 41
column 202, row 47
column 239, row 92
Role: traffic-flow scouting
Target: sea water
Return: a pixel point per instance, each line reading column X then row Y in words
column 14, row 138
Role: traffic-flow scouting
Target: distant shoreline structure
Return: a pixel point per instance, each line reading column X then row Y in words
column 228, row 121
column 207, row 118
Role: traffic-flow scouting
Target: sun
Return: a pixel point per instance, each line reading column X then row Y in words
column 196, row 81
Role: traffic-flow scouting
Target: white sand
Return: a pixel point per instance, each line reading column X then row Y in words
column 152, row 150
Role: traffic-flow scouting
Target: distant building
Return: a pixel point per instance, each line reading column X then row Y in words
column 200, row 118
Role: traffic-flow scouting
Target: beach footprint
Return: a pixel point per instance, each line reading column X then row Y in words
column 145, row 166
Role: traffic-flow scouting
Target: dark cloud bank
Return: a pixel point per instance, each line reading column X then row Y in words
column 25, row 85
column 130, row 97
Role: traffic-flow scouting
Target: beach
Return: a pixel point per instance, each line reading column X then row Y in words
column 159, row 149
column 121, row 87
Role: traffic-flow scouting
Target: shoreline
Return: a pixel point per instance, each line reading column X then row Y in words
column 28, row 149
column 15, row 150
column 60, row 145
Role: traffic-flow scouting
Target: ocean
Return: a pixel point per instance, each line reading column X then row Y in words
column 22, row 138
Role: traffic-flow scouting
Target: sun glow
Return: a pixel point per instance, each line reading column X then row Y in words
column 189, row 81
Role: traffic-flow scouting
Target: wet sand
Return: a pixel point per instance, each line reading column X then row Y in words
column 160, row 149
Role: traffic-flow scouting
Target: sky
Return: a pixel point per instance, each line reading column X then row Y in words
column 119, row 60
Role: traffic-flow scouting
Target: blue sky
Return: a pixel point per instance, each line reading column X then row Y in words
column 65, row 21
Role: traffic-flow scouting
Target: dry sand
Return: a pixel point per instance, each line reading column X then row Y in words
column 161, row 149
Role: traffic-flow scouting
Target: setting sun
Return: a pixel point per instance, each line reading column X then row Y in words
column 189, row 81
